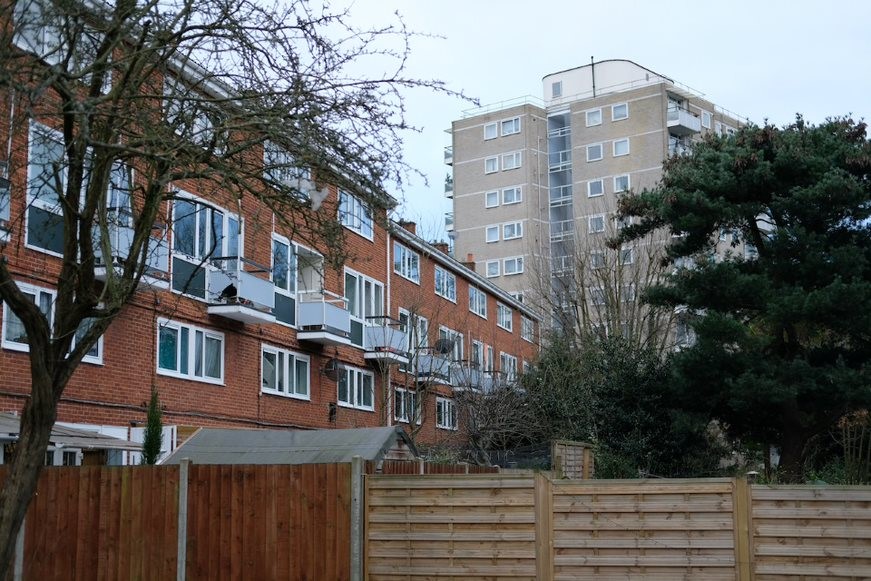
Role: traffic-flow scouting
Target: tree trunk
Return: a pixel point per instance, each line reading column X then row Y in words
column 21, row 479
column 791, row 466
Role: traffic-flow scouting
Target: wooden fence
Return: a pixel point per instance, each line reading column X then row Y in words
column 514, row 527
column 241, row 522
column 408, row 467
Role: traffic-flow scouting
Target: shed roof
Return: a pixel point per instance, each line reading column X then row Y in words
column 239, row 446
column 63, row 436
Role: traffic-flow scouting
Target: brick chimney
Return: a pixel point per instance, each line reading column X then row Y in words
column 470, row 261
column 409, row 225
column 442, row 247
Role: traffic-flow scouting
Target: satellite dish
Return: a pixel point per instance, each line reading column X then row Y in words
column 444, row 346
column 333, row 369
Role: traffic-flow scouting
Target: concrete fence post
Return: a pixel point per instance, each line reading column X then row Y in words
column 183, row 476
column 356, row 518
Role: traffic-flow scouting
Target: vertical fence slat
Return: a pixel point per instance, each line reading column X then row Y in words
column 543, row 527
column 741, row 506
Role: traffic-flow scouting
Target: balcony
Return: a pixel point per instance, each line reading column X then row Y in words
column 433, row 368
column 323, row 318
column 385, row 342
column 560, row 196
column 682, row 122
column 559, row 160
column 449, row 187
column 679, row 145
column 562, row 230
column 237, row 294
column 120, row 240
column 470, row 376
column 449, row 221
column 449, row 155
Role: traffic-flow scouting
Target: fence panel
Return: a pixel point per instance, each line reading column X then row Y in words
column 269, row 522
column 450, row 527
column 805, row 532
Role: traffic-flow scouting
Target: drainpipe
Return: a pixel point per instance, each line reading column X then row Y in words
column 593, row 72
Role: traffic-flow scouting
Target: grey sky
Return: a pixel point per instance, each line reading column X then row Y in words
column 761, row 59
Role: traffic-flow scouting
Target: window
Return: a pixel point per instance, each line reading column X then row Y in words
column 491, row 199
column 706, row 119
column 446, row 414
column 511, row 195
column 492, row 268
column 201, row 232
column 189, row 352
column 621, row 183
column 46, row 173
column 512, row 230
column 504, row 316
column 594, row 152
column 510, row 126
column 405, row 406
column 194, row 117
column 455, row 339
column 556, row 89
column 284, row 279
column 406, row 262
column 626, row 256
column 491, row 165
column 619, row 112
column 281, row 167
column 445, row 284
column 284, row 372
column 595, row 188
column 355, row 215
column 621, row 147
column 365, row 298
column 492, row 234
column 37, row 31
column 597, row 259
column 594, row 117
column 490, row 363
column 718, row 128
column 512, row 265
column 478, row 301
column 490, row 131
column 527, row 329
column 517, row 296
column 597, row 224
column 510, row 160
column 417, row 329
column 627, row 293
column 477, row 360
column 508, row 366
column 357, row 389
column 597, row 296
column 15, row 338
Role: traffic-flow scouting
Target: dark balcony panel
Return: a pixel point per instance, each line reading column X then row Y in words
column 188, row 278
column 285, row 309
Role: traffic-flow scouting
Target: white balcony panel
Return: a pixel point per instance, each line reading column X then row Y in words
column 120, row 240
column 433, row 369
column 323, row 319
column 241, row 296
column 385, row 344
column 682, row 122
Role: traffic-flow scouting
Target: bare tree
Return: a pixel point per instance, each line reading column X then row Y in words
column 127, row 100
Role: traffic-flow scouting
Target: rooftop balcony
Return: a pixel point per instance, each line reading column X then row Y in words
column 385, row 342
column 449, row 155
column 323, row 318
column 682, row 122
column 433, row 368
column 237, row 294
column 120, row 240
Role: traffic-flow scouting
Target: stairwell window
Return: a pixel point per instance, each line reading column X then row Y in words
column 355, row 215
column 190, row 352
column 284, row 372
column 406, row 262
column 356, row 389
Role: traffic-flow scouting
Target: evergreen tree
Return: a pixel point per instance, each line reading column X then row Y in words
column 774, row 224
column 153, row 440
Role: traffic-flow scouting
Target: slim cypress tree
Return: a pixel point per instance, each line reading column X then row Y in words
column 153, row 431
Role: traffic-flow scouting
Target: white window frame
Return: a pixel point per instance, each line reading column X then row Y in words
column 512, row 230
column 706, row 119
column 516, row 193
column 292, row 271
column 504, row 317
column 417, row 329
column 514, row 160
column 527, row 329
column 50, row 296
column 591, row 116
column 508, row 366
column 36, row 183
column 353, row 377
column 477, row 357
column 405, row 401
column 445, row 284
column 491, row 164
column 556, row 89
column 448, row 333
column 488, row 270
column 406, row 262
column 178, row 100
column 601, row 192
column 355, row 215
column 614, row 107
column 512, row 125
column 366, row 307
column 193, row 330
column 590, row 220
column 495, row 197
column 590, row 148
column 518, row 265
column 619, row 143
column 446, row 414
column 288, row 360
column 491, row 234
column 620, row 189
column 478, row 301
column 495, row 131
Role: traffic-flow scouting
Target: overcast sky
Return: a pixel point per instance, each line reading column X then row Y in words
column 765, row 59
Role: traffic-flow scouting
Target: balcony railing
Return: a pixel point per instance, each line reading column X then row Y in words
column 449, row 187
column 679, row 146
column 561, row 195
column 385, row 341
column 433, row 368
column 323, row 318
column 559, row 160
column 449, row 221
column 238, row 294
column 120, row 240
column 682, row 122
column 561, row 230
column 449, row 155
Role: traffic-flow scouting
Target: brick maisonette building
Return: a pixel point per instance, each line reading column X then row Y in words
column 239, row 324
